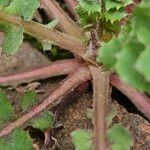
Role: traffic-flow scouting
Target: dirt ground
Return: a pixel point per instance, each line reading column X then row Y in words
column 73, row 115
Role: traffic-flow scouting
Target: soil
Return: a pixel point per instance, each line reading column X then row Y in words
column 73, row 115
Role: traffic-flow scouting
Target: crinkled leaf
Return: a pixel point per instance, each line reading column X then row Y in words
column 13, row 34
column 141, row 22
column 143, row 63
column 119, row 138
column 82, row 139
column 19, row 140
column 108, row 51
column 28, row 100
column 25, row 8
column 44, row 121
column 13, row 38
column 6, row 109
column 86, row 18
column 90, row 6
column 125, row 66
column 109, row 4
column 88, row 11
column 113, row 15
column 117, row 4
column 4, row 3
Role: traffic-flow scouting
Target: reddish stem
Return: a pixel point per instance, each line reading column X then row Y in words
column 81, row 76
column 66, row 24
column 100, row 103
column 55, row 69
column 140, row 100
column 39, row 31
column 72, row 5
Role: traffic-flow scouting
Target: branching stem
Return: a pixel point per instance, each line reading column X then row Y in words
column 77, row 78
column 40, row 31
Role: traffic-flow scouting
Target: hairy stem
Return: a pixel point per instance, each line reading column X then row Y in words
column 42, row 32
column 72, row 5
column 66, row 24
column 100, row 102
column 80, row 76
column 141, row 101
column 55, row 69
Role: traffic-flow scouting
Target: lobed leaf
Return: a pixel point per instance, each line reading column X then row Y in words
column 13, row 39
column 90, row 6
column 28, row 100
column 116, row 4
column 82, row 139
column 119, row 138
column 114, row 15
column 125, row 66
column 19, row 140
column 14, row 35
column 141, row 22
column 108, row 52
column 44, row 121
column 24, row 8
column 110, row 4
column 88, row 10
column 4, row 3
column 143, row 63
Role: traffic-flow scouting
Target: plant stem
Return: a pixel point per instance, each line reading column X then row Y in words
column 77, row 78
column 40, row 31
column 55, row 69
column 71, row 5
column 66, row 24
column 100, row 102
column 140, row 100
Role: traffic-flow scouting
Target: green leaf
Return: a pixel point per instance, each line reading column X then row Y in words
column 6, row 110
column 24, row 8
column 125, row 66
column 82, row 139
column 119, row 138
column 108, row 51
column 2, row 145
column 90, row 6
column 141, row 22
column 114, row 15
column 143, row 63
column 110, row 4
column 19, row 140
column 28, row 100
column 88, row 10
column 44, row 121
column 117, row 4
column 4, row 3
column 13, row 34
column 111, row 114
column 13, row 39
